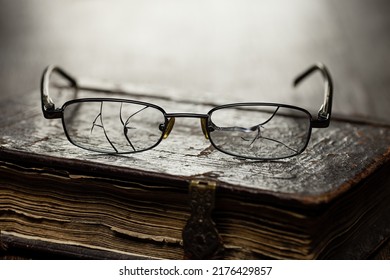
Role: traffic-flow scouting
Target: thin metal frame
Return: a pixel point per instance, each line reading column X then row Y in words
column 50, row 111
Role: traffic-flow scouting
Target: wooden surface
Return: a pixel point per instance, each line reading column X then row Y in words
column 203, row 51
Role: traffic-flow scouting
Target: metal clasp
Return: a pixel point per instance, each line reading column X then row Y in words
column 201, row 239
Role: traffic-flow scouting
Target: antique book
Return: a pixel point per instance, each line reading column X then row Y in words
column 57, row 200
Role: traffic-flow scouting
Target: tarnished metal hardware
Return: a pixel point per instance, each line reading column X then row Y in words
column 201, row 239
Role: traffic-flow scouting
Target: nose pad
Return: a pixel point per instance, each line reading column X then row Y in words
column 203, row 122
column 168, row 130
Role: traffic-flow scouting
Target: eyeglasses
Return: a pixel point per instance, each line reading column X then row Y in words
column 261, row 131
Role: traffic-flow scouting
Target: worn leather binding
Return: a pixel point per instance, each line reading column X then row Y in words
column 329, row 202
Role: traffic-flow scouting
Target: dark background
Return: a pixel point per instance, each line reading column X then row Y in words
column 227, row 51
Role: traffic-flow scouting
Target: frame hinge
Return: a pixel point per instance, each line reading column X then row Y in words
column 52, row 114
column 201, row 239
column 320, row 123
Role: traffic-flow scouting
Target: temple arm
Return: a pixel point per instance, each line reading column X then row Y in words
column 48, row 107
column 325, row 111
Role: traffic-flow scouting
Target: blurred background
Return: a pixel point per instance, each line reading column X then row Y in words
column 213, row 50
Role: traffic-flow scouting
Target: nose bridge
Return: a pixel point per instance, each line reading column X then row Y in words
column 203, row 123
column 171, row 121
column 170, row 125
column 186, row 115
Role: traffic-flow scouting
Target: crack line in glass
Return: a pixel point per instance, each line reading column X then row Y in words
column 100, row 116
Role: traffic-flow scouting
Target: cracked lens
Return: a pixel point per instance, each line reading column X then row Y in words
column 260, row 131
column 113, row 126
column 259, row 136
